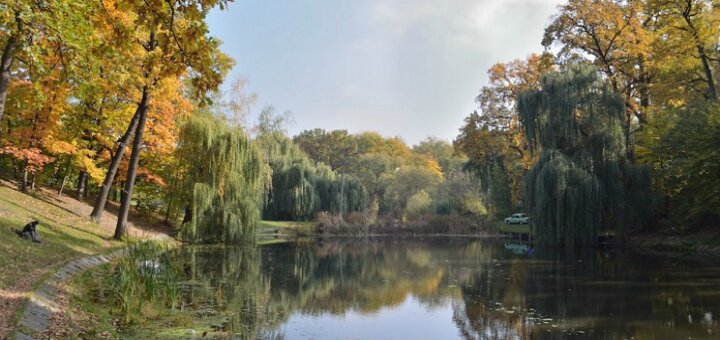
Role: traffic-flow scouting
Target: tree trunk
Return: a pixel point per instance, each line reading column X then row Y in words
column 24, row 181
column 712, row 90
column 171, row 198
column 117, row 158
column 169, row 209
column 62, row 185
column 130, row 178
column 629, row 145
column 700, row 46
column 56, row 177
column 188, row 216
column 82, row 182
column 189, row 232
column 342, row 193
column 118, row 191
column 15, row 168
column 5, row 63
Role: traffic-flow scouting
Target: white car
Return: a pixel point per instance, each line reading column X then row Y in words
column 517, row 219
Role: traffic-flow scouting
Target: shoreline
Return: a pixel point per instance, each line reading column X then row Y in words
column 651, row 244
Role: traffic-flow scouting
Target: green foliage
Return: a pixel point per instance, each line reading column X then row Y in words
column 488, row 156
column 475, row 206
column 498, row 188
column 371, row 168
column 443, row 153
column 455, row 194
column 222, row 181
column 419, row 203
column 402, row 184
column 336, row 148
column 301, row 188
column 564, row 200
column 583, row 183
column 683, row 148
column 388, row 169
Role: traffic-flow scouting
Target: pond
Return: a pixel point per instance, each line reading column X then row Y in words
column 444, row 288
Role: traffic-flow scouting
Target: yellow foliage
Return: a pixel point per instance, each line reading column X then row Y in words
column 84, row 162
column 60, row 147
column 429, row 163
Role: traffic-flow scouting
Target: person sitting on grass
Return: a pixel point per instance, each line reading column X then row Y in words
column 30, row 232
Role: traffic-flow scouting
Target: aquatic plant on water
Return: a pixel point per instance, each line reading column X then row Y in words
column 145, row 276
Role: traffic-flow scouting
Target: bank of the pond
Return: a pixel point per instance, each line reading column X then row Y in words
column 85, row 316
column 88, row 311
column 430, row 224
column 433, row 225
column 66, row 234
column 703, row 242
column 58, row 309
column 700, row 243
column 46, row 301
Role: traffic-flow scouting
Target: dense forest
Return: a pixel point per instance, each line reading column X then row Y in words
column 615, row 127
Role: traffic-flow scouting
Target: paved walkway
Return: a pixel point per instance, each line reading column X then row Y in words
column 42, row 303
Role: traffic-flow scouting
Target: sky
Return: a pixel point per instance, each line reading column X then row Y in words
column 407, row 68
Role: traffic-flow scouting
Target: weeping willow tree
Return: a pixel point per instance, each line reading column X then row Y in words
column 494, row 184
column 340, row 193
column 583, row 183
column 221, row 181
column 301, row 188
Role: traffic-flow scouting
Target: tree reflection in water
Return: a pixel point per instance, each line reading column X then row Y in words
column 491, row 291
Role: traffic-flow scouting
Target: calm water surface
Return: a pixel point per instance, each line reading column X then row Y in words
column 446, row 288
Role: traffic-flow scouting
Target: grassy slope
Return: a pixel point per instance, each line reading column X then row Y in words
column 65, row 233
column 64, row 236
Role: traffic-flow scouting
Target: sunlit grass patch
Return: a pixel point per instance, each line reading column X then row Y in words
column 64, row 236
column 286, row 225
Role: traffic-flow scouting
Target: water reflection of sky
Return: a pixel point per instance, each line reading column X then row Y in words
column 410, row 320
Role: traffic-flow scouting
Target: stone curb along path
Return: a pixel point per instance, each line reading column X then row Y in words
column 42, row 303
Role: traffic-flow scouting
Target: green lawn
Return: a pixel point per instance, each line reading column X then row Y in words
column 286, row 224
column 64, row 236
column 268, row 227
column 23, row 264
column 501, row 227
column 269, row 232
